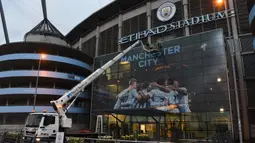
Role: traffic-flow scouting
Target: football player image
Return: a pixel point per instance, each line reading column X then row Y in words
column 169, row 89
column 182, row 97
column 127, row 98
column 158, row 97
column 144, row 96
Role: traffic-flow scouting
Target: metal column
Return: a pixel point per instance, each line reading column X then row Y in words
column 148, row 9
column 37, row 78
column 4, row 23
column 237, row 57
column 97, row 40
column 120, row 31
column 80, row 44
column 186, row 15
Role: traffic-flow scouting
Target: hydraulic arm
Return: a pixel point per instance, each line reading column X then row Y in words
column 75, row 91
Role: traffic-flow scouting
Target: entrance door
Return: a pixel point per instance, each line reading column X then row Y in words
column 147, row 128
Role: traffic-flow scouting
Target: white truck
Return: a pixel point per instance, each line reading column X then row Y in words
column 51, row 126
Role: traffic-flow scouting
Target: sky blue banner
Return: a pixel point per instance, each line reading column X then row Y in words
column 251, row 9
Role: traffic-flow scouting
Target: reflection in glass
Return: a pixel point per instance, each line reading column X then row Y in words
column 124, row 66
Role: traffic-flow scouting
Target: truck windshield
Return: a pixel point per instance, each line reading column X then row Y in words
column 34, row 120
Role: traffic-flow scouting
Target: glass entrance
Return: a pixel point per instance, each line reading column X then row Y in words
column 147, row 128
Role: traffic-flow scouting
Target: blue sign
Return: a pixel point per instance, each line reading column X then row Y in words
column 69, row 95
column 151, row 59
column 177, row 25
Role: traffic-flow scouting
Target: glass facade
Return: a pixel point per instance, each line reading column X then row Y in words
column 133, row 25
column 197, row 62
column 89, row 47
column 202, row 71
column 108, row 41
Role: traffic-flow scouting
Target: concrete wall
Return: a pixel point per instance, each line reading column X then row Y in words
column 46, row 39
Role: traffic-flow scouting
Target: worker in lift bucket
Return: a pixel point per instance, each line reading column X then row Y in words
column 128, row 97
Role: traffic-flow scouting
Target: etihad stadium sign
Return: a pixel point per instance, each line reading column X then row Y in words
column 177, row 25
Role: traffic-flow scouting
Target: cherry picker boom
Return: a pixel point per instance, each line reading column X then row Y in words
column 51, row 126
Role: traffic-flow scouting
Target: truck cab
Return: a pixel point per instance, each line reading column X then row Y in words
column 41, row 127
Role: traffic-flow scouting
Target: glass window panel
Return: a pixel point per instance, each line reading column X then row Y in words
column 194, row 90
column 249, row 63
column 195, row 116
column 196, row 80
column 192, row 55
column 214, row 69
column 112, row 69
column 112, row 76
column 134, row 24
column 216, row 51
column 219, row 127
column 217, row 106
column 216, row 97
column 221, row 77
column 195, row 107
column 218, row 117
column 124, row 75
column 193, row 72
column 217, row 87
column 195, row 98
column 173, row 59
column 192, row 43
column 172, row 43
column 126, row 27
column 216, row 60
column 199, row 134
column 112, row 88
column 122, row 86
column 175, row 73
column 101, row 79
column 124, row 66
column 197, row 63
column 251, row 92
column 190, row 47
column 196, row 126
column 212, row 43
column 142, row 22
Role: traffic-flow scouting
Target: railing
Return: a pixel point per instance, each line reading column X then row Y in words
column 95, row 140
column 222, row 138
column 16, row 137
column 11, row 137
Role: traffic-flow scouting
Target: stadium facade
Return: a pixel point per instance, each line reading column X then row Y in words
column 38, row 70
column 197, row 38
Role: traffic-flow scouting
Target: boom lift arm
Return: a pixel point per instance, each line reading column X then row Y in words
column 75, row 91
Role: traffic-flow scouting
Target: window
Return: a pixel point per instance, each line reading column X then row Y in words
column 89, row 47
column 49, row 120
column 108, row 41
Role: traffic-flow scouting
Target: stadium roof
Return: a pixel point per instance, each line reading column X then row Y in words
column 101, row 16
column 45, row 27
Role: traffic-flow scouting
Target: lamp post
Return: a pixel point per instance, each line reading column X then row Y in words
column 42, row 56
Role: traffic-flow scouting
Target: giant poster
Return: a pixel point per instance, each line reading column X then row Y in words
column 187, row 75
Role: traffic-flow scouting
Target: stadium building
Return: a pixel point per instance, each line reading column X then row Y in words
column 38, row 70
column 197, row 39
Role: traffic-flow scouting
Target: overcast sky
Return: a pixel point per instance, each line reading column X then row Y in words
column 22, row 15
